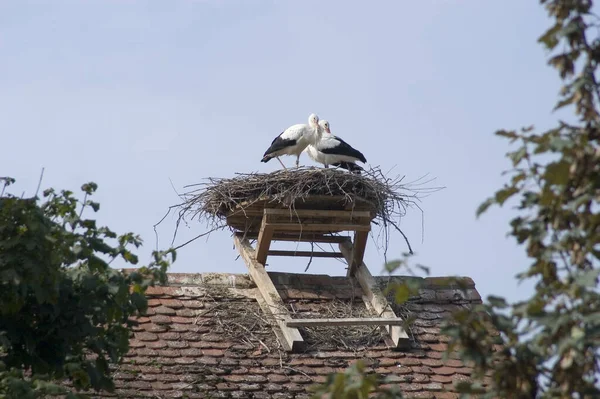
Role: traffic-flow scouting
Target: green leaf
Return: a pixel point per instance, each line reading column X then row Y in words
column 549, row 38
column 425, row 269
column 588, row 278
column 505, row 194
column 518, row 178
column 559, row 144
column 393, row 265
column 89, row 188
column 566, row 101
column 484, row 206
column 402, row 293
column 497, row 301
column 129, row 257
column 535, row 308
column 557, row 173
column 547, row 197
column 139, row 301
column 518, row 156
column 508, row 134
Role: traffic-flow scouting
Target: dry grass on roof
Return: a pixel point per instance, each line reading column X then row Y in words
column 388, row 197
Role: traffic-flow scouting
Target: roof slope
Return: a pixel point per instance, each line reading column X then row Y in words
column 205, row 335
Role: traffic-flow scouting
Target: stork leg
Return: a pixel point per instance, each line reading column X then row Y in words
column 281, row 163
column 298, row 161
column 326, row 166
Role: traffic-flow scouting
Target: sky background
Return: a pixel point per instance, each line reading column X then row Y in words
column 132, row 94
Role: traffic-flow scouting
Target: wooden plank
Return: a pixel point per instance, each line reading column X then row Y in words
column 313, row 238
column 358, row 251
column 264, row 242
column 309, row 237
column 272, row 322
column 307, row 254
column 298, row 213
column 320, row 227
column 376, row 299
column 269, row 293
column 351, row 321
column 322, row 202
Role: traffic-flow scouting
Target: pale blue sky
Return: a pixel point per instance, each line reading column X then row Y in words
column 131, row 93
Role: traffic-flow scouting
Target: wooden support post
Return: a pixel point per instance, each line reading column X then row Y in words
column 275, row 304
column 375, row 297
column 358, row 251
column 264, row 241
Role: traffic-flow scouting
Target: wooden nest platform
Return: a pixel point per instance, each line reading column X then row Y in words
column 239, row 203
column 247, row 217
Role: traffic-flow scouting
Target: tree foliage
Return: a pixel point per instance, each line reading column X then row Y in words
column 550, row 341
column 548, row 345
column 65, row 312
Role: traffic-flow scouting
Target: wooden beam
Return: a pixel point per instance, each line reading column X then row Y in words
column 296, row 213
column 273, row 322
column 269, row 293
column 358, row 251
column 351, row 321
column 376, row 299
column 309, row 237
column 307, row 254
column 264, row 241
column 320, row 227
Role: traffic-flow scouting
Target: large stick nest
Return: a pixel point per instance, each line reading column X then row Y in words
column 387, row 197
column 221, row 196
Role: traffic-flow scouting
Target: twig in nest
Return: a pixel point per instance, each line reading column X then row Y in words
column 410, row 251
column 245, row 324
column 205, row 312
column 297, row 371
column 350, row 337
column 312, row 249
column 198, row 236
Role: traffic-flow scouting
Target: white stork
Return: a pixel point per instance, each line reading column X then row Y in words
column 294, row 140
column 332, row 150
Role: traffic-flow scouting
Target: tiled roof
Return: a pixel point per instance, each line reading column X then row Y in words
column 205, row 335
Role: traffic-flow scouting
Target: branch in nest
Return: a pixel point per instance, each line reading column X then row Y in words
column 312, row 249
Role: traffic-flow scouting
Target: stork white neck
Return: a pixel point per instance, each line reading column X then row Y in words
column 314, row 131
